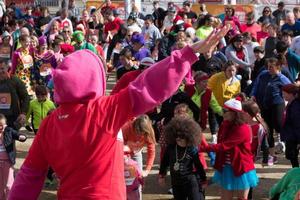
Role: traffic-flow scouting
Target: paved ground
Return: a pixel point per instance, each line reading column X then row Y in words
column 268, row 176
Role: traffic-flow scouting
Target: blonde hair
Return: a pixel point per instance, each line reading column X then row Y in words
column 143, row 124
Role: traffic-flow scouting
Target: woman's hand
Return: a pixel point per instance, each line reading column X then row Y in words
column 211, row 41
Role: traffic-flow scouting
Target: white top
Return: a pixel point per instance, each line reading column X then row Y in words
column 295, row 46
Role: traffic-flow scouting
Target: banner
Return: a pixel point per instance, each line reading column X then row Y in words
column 20, row 3
column 218, row 10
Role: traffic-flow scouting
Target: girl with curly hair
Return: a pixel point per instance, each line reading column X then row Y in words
column 181, row 155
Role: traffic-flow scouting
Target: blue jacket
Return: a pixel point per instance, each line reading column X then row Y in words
column 291, row 127
column 267, row 89
column 293, row 63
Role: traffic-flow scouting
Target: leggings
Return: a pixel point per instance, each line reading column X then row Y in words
column 190, row 191
column 273, row 117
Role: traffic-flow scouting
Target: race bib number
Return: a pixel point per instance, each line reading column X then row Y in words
column 5, row 100
column 45, row 69
column 5, row 52
column 27, row 61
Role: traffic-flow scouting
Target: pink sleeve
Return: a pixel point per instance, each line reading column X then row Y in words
column 28, row 184
column 150, row 155
column 14, row 62
column 160, row 81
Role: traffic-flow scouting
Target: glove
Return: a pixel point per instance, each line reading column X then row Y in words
column 212, row 157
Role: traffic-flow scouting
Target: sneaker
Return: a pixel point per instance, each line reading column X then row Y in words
column 170, row 191
column 269, row 163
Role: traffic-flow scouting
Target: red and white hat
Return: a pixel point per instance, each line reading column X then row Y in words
column 234, row 104
column 147, row 61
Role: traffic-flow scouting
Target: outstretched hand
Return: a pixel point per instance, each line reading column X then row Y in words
column 211, row 41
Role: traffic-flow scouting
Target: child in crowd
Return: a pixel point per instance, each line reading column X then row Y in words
column 127, row 63
column 7, row 156
column 94, row 41
column 22, row 63
column 183, row 136
column 259, row 130
column 39, row 107
column 259, row 133
column 184, row 111
column 133, row 177
column 136, row 134
column 235, row 171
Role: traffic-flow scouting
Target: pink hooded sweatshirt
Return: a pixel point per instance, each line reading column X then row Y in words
column 80, row 139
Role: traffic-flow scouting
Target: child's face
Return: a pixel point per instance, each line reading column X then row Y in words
column 41, row 98
column 181, row 112
column 258, row 55
column 287, row 96
column 2, row 125
column 203, row 85
column 180, row 140
column 25, row 44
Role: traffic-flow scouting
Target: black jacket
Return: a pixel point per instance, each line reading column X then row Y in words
column 168, row 106
column 9, row 137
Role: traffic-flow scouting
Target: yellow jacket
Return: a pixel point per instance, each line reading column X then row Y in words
column 223, row 88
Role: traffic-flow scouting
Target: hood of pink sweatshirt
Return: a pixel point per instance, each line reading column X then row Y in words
column 79, row 78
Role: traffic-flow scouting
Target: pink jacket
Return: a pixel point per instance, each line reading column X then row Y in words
column 80, row 139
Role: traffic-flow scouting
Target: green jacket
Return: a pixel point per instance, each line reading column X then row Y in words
column 288, row 186
column 213, row 104
column 38, row 111
column 86, row 45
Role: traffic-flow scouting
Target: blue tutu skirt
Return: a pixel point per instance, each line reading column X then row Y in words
column 228, row 181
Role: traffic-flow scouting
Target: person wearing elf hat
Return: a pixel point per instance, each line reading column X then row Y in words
column 88, row 152
column 234, row 165
column 81, row 43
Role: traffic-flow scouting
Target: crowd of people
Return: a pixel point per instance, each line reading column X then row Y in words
column 178, row 74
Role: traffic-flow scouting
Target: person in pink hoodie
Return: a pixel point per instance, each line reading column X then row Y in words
column 87, row 155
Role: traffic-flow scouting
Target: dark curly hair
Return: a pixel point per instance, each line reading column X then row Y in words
column 186, row 128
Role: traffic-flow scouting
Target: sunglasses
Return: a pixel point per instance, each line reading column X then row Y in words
column 267, row 11
column 180, row 136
